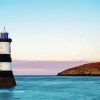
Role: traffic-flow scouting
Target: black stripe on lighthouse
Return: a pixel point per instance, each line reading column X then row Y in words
column 5, row 58
column 6, row 40
column 4, row 74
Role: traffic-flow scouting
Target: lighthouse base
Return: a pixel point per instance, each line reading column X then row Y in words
column 7, row 79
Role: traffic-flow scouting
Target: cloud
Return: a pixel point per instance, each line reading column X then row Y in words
column 28, row 71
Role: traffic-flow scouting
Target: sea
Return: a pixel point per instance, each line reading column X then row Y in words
column 52, row 87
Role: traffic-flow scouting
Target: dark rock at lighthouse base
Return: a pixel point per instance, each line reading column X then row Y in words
column 90, row 69
column 7, row 79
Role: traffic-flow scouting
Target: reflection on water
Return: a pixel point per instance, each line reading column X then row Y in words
column 6, row 96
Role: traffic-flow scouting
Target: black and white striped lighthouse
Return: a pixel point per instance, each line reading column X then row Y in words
column 6, row 75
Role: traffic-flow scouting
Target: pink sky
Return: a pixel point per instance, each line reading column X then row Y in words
column 42, row 67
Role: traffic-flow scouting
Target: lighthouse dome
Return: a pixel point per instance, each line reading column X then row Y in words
column 4, row 34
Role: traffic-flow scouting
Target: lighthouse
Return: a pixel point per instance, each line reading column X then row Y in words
column 6, row 74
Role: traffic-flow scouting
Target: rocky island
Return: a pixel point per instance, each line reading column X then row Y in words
column 90, row 69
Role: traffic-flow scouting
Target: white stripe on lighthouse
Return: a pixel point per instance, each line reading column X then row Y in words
column 5, row 66
column 5, row 48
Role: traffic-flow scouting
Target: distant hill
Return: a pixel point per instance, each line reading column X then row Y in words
column 89, row 69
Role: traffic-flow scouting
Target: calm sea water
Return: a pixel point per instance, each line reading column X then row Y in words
column 53, row 88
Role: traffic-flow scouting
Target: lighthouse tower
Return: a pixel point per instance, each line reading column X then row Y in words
column 6, row 75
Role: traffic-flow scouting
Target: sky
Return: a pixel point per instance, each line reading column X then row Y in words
column 43, row 67
column 55, row 30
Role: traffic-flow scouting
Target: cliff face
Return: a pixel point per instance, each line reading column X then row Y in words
column 83, row 70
